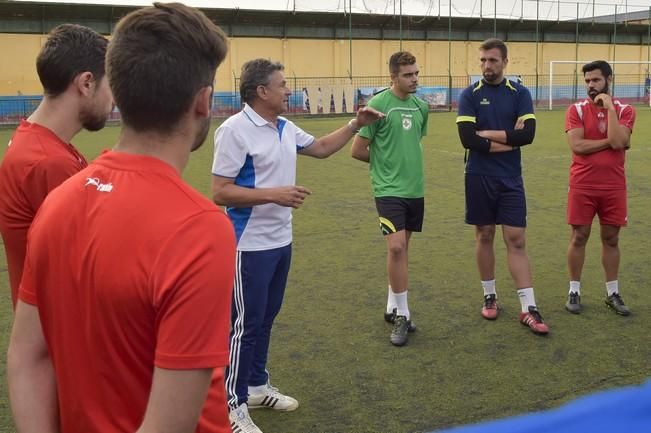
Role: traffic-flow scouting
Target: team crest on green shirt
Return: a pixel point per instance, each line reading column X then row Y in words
column 406, row 122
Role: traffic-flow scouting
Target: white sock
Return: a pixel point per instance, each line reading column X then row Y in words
column 391, row 300
column 526, row 299
column 612, row 287
column 253, row 390
column 401, row 304
column 575, row 286
column 489, row 287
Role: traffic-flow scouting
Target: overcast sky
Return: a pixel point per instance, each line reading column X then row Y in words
column 513, row 9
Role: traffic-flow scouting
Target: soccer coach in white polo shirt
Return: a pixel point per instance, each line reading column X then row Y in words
column 254, row 176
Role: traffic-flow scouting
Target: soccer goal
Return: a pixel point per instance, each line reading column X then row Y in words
column 566, row 83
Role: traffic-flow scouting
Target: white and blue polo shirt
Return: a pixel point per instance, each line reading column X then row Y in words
column 259, row 154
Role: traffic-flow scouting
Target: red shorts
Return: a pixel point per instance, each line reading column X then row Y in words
column 584, row 204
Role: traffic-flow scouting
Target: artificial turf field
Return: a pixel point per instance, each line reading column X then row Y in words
column 330, row 347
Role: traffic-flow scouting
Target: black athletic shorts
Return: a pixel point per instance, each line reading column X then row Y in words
column 397, row 213
column 495, row 200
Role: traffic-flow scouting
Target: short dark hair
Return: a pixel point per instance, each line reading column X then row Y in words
column 602, row 65
column 401, row 58
column 70, row 50
column 491, row 43
column 256, row 73
column 159, row 58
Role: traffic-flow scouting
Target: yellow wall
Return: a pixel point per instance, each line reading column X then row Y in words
column 18, row 71
column 328, row 58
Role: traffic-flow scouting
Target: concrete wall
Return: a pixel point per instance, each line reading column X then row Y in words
column 327, row 58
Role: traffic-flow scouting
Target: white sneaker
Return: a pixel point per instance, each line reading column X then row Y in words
column 241, row 421
column 271, row 398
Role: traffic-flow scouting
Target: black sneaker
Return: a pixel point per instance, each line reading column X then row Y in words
column 573, row 304
column 399, row 331
column 616, row 302
column 391, row 317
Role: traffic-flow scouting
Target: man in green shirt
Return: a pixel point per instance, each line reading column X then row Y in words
column 392, row 147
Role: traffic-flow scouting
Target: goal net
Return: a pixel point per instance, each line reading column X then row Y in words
column 631, row 82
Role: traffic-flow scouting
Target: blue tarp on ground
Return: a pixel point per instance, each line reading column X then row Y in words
column 622, row 410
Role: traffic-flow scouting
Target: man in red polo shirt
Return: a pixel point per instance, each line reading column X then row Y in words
column 599, row 133
column 124, row 307
column 40, row 157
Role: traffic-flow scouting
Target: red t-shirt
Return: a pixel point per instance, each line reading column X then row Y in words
column 36, row 162
column 603, row 169
column 130, row 268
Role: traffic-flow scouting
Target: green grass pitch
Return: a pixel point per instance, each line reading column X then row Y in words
column 330, row 347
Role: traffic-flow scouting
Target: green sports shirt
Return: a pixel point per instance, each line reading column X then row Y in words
column 396, row 153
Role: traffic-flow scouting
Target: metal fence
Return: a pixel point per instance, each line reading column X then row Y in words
column 333, row 95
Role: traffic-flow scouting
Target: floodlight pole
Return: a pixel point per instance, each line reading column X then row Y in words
column 537, row 36
column 495, row 19
column 648, row 54
column 450, row 53
column 614, row 48
column 576, row 56
column 350, row 39
column 400, row 25
column 235, row 86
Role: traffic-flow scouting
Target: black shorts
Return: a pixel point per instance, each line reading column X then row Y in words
column 397, row 213
column 495, row 200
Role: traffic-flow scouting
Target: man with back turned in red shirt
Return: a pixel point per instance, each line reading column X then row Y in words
column 40, row 156
column 124, row 307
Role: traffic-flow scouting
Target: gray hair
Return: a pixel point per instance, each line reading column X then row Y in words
column 256, row 73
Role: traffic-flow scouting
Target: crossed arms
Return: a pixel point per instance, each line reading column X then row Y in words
column 491, row 141
column 619, row 136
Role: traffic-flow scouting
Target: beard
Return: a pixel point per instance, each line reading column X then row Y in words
column 93, row 119
column 490, row 76
column 592, row 93
column 201, row 135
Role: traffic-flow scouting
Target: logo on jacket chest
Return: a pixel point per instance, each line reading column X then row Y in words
column 407, row 121
column 484, row 101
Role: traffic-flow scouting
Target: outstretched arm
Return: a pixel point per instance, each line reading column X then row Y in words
column 327, row 145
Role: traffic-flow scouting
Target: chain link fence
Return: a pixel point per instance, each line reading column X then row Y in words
column 319, row 96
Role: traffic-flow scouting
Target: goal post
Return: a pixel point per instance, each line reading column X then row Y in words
column 636, row 85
